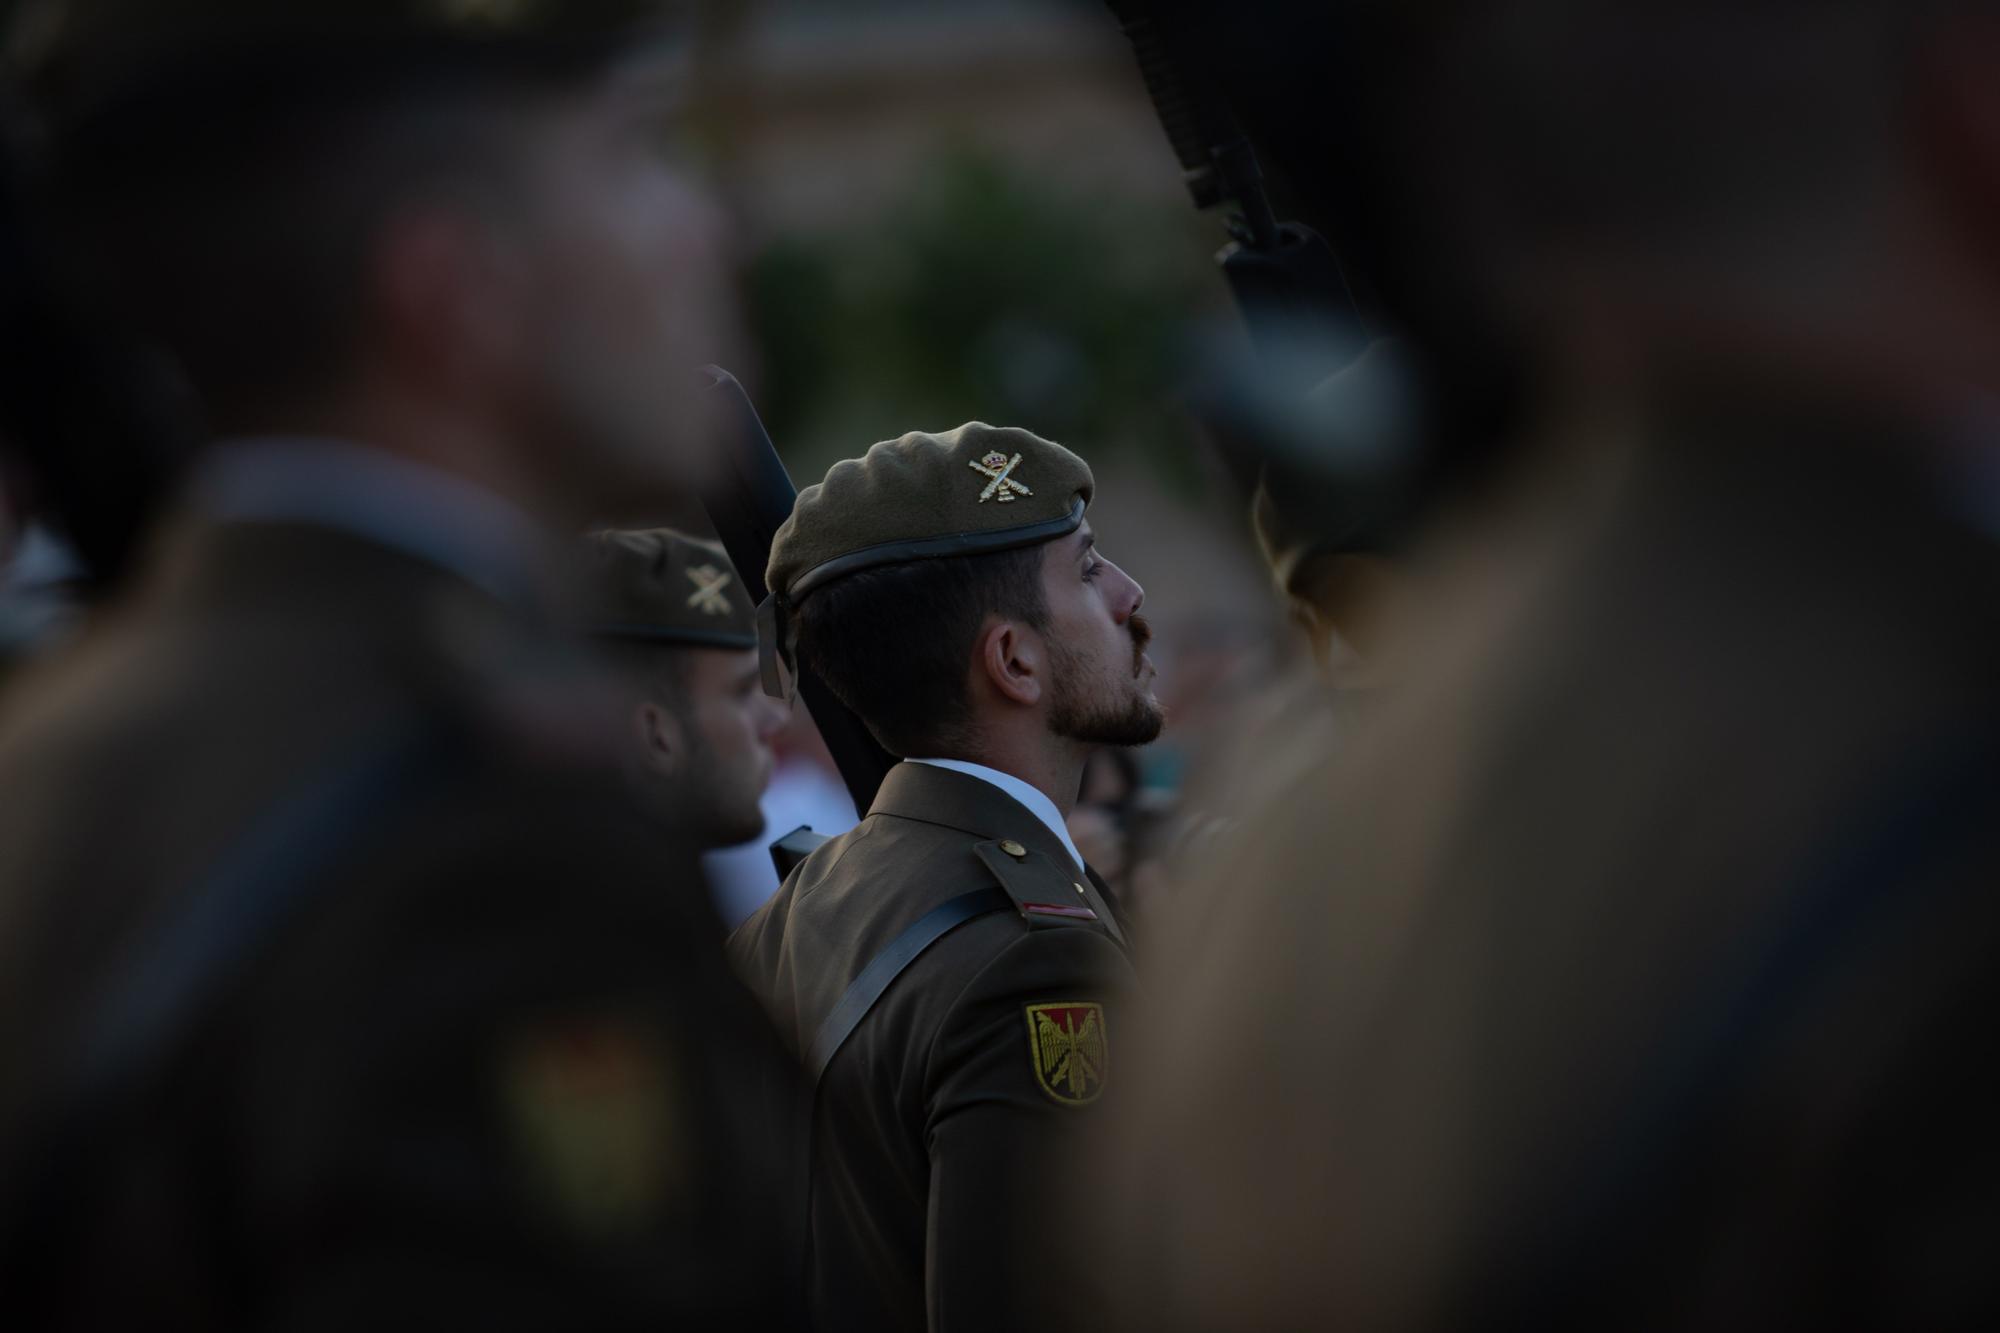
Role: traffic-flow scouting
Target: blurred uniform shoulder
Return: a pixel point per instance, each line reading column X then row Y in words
column 374, row 899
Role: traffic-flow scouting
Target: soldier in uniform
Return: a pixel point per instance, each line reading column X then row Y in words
column 336, row 985
column 698, row 726
column 946, row 967
column 1628, row 964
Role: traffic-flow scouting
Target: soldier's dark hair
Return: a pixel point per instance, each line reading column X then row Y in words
column 894, row 643
column 219, row 208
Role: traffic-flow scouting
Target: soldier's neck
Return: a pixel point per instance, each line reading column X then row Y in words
column 1049, row 764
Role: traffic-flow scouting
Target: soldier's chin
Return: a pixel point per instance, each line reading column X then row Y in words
column 740, row 827
column 641, row 479
column 633, row 455
column 1138, row 724
column 1155, row 718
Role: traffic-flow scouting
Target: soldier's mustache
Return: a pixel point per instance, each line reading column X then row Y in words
column 1142, row 634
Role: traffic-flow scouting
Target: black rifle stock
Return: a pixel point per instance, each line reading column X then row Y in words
column 750, row 501
column 1295, row 301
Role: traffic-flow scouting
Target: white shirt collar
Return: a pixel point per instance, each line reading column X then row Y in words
column 370, row 493
column 1037, row 801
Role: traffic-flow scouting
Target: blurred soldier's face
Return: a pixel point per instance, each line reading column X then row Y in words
column 1102, row 683
column 622, row 297
column 714, row 748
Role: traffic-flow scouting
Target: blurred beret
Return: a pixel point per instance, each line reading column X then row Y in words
column 661, row 586
column 975, row 489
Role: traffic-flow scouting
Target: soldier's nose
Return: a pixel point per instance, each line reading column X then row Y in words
column 1137, row 598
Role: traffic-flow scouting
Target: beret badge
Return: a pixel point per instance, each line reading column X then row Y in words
column 1000, row 469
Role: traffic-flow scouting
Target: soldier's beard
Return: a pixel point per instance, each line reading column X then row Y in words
column 1120, row 711
column 603, row 424
column 714, row 805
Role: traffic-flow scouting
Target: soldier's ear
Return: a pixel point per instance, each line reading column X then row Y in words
column 663, row 742
column 1013, row 661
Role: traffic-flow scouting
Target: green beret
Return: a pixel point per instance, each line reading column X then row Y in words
column 975, row 489
column 968, row 491
column 661, row 586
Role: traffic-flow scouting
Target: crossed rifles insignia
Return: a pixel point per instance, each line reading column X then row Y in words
column 1000, row 468
column 709, row 583
column 1067, row 1045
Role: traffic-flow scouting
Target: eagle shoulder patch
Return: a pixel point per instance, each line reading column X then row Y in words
column 1067, row 1047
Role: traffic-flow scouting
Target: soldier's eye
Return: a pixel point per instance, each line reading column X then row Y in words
column 1092, row 570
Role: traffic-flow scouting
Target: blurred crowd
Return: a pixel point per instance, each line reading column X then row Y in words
column 1440, row 774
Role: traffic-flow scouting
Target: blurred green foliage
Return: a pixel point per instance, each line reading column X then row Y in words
column 984, row 295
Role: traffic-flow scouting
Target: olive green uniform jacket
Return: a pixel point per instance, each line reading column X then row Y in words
column 944, row 1147
column 459, row 1050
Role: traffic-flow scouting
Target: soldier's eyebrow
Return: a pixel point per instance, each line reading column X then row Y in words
column 1085, row 539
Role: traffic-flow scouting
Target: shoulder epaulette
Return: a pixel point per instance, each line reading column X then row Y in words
column 1042, row 893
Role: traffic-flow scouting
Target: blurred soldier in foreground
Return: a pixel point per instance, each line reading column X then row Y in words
column 337, row 985
column 699, row 725
column 1631, row 968
column 945, row 967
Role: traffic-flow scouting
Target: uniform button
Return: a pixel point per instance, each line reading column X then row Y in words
column 1014, row 849
column 1078, row 888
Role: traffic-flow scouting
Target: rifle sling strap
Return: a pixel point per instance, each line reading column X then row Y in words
column 862, row 993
